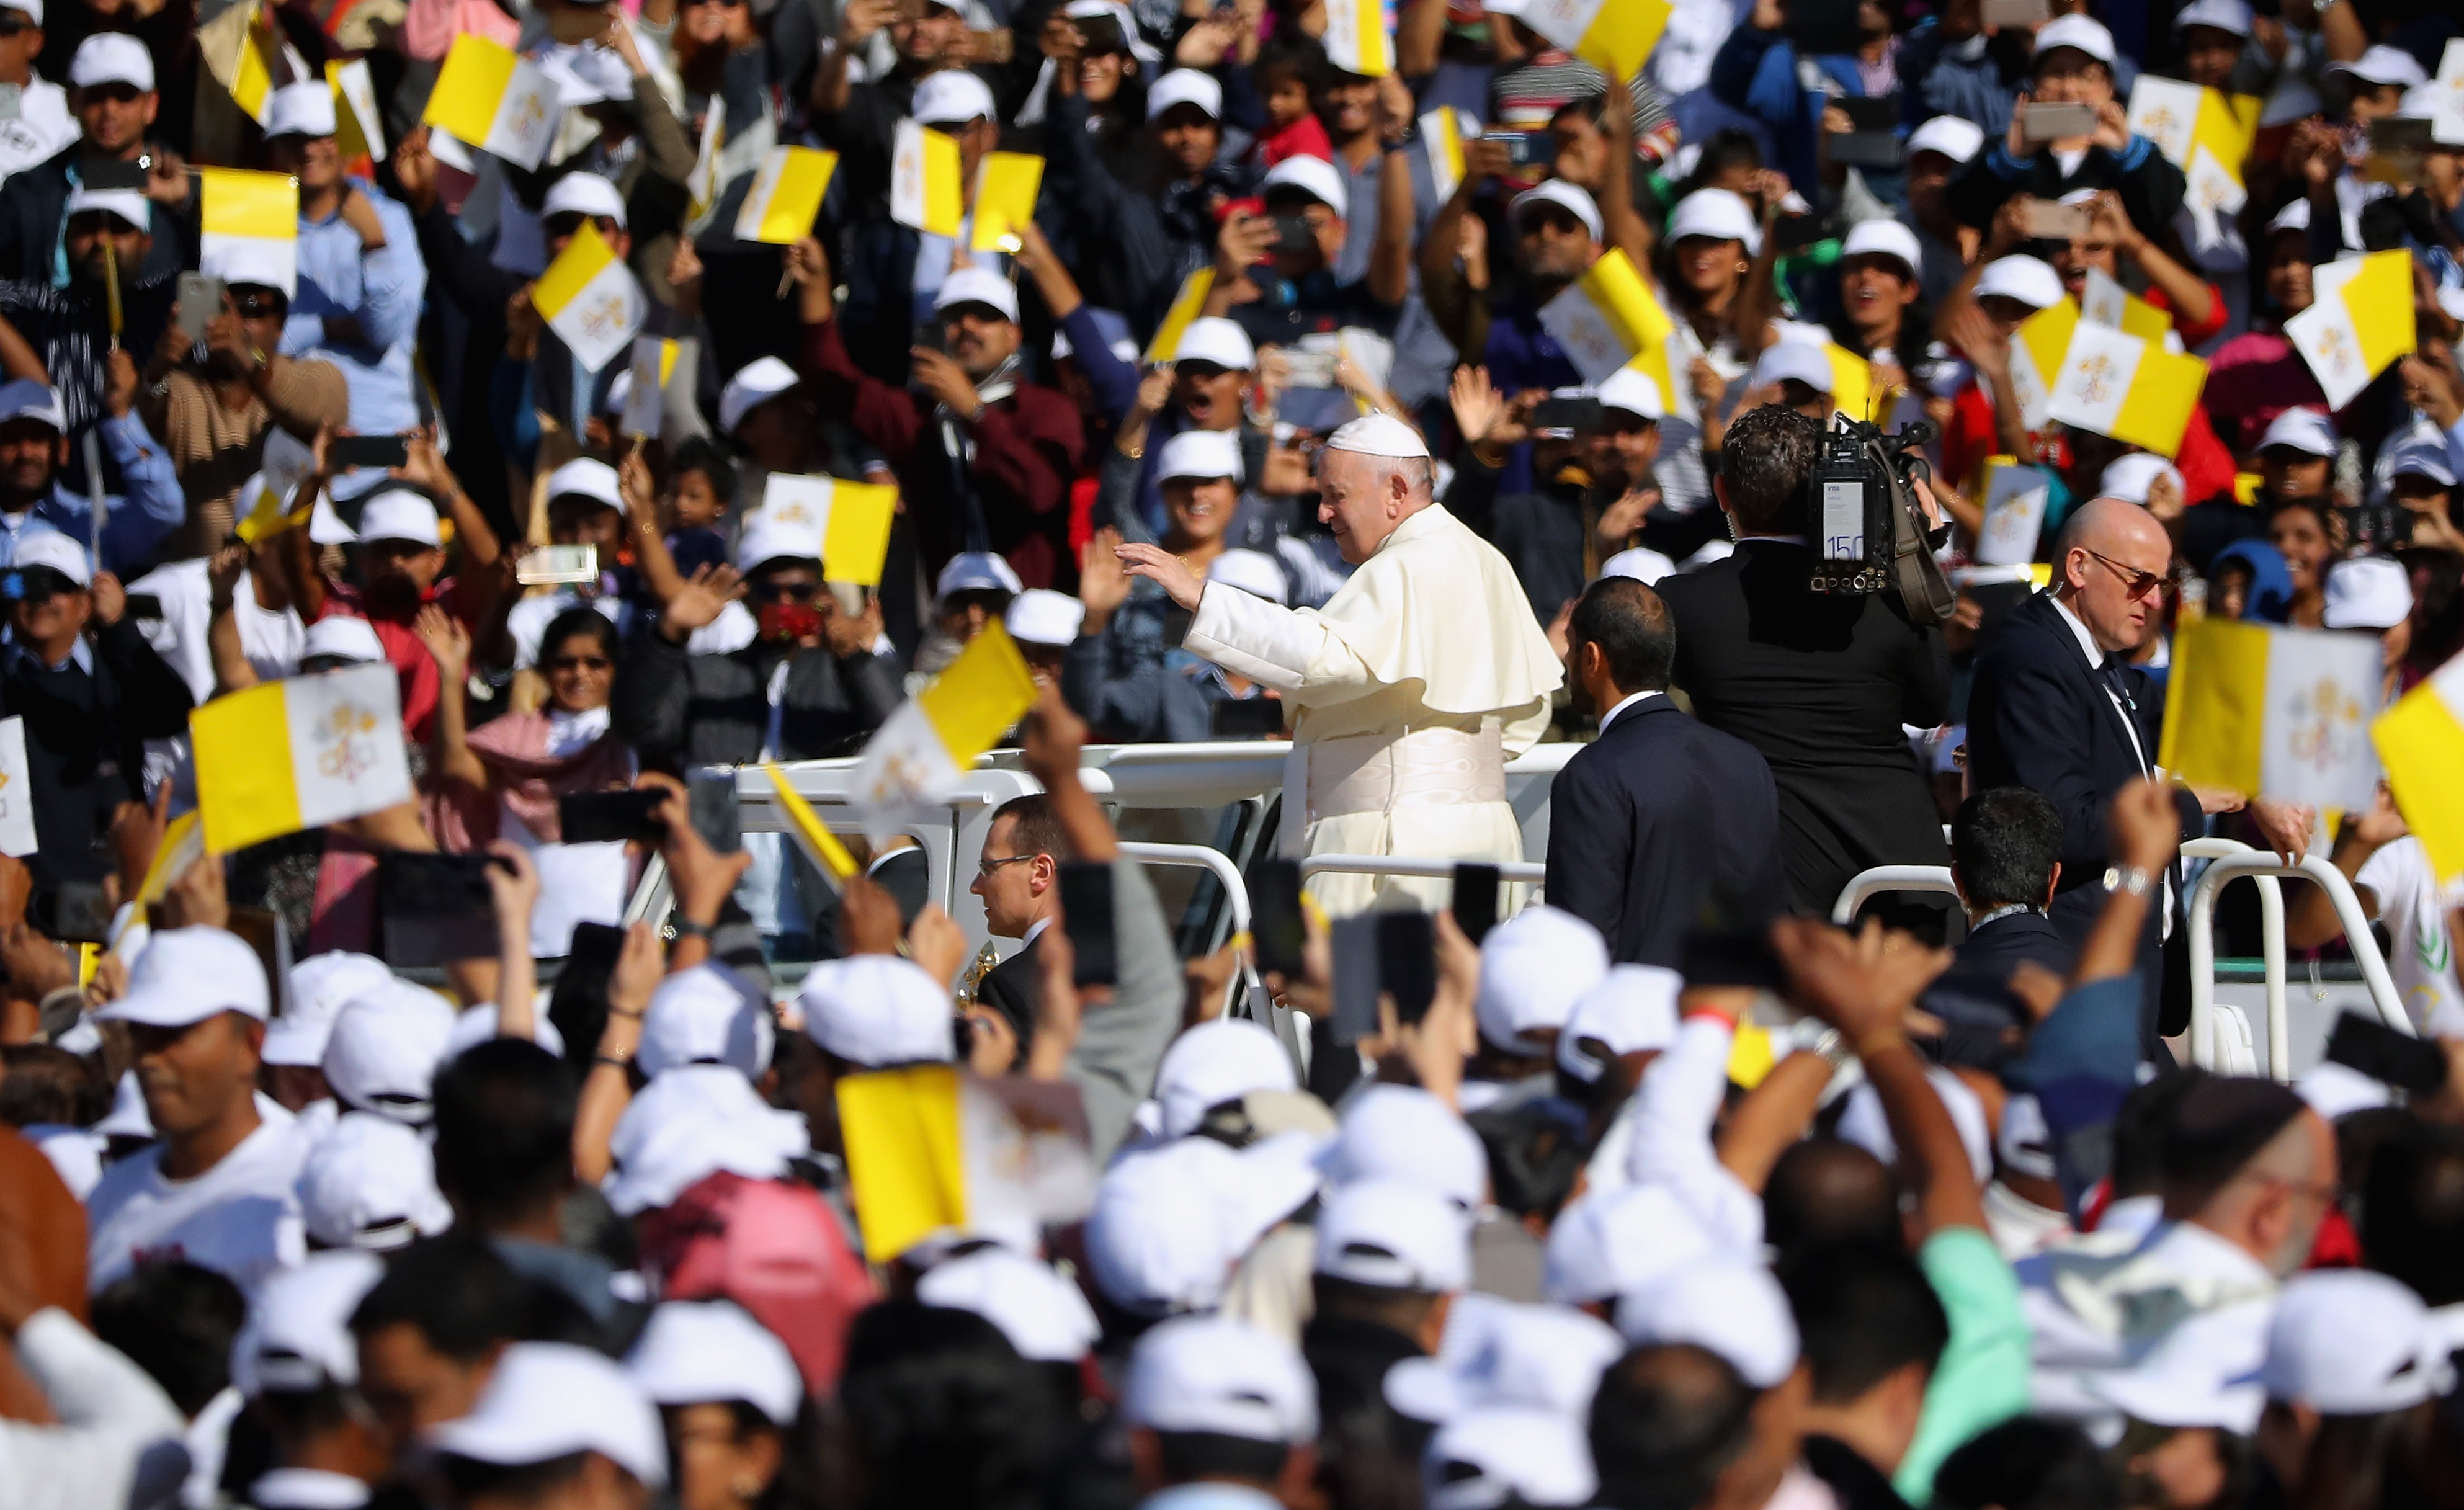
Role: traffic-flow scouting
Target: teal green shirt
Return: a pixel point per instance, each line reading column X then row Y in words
column 1983, row 1377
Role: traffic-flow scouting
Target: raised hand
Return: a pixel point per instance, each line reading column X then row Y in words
column 448, row 642
column 704, row 595
column 1166, row 570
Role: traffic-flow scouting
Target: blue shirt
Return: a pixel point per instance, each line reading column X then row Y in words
column 132, row 525
column 382, row 289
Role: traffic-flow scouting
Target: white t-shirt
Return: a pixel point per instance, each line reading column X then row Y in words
column 239, row 1218
column 271, row 641
column 2421, row 954
column 43, row 125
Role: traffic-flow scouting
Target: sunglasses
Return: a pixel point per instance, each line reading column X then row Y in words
column 790, row 591
column 584, row 663
column 570, row 223
column 256, row 306
column 35, row 585
column 2134, row 583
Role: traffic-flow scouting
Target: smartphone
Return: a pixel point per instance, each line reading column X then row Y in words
column 559, row 563
column 1565, row 417
column 2050, row 220
column 368, row 450
column 1087, row 917
column 710, row 802
column 2386, row 1056
column 437, row 908
column 1475, row 899
column 2406, row 134
column 1875, row 143
column 1355, row 944
column 71, row 912
column 144, row 606
column 1525, row 148
column 927, row 334
column 2049, row 122
column 201, row 300
column 1276, row 931
column 1796, row 232
column 1407, row 962
column 1292, row 233
column 598, row 818
column 1102, row 35
column 1317, row 410
column 578, row 1006
column 2018, row 13
column 1248, row 718
column 115, row 173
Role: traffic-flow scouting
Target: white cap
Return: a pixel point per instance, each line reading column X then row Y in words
column 755, row 383
column 1400, row 1237
column 706, row 1016
column 1170, row 1222
column 188, row 975
column 1201, row 455
column 2336, row 1090
column 1222, row 1377
column 1041, row 616
column 2295, row 216
column 1313, row 176
column 239, row 260
column 2383, row 64
column 2201, row 1374
column 398, row 513
column 1634, row 392
column 298, row 1339
column 1403, row 1133
column 1216, row 1061
column 2350, row 1341
column 951, row 97
column 587, row 478
column 2368, row 591
column 1883, row 238
column 1799, row 360
column 2421, row 457
column 300, row 110
column 25, row 398
column 1608, row 1242
column 1726, row 1305
column 2292, row 99
column 2305, row 431
column 2083, row 32
column 1631, row 1009
column 976, row 571
column 1253, row 572
column 1534, row 967
column 48, row 547
column 2024, row 1143
column 768, row 539
column 703, row 1352
column 1951, row 136
column 1377, row 434
column 1863, row 1123
column 112, row 57
column 1122, row 347
column 1185, row 86
column 978, row 286
column 1220, row 343
column 693, row 1122
column 33, row 10
column 1507, row 1454
column 583, row 194
column 1568, row 197
column 1497, row 1353
column 2225, row 15
column 1718, row 213
column 386, row 1048
column 548, row 1400
column 473, row 1026
column 2030, row 280
column 1044, row 1316
column 875, row 1010
column 1641, row 563
column 343, row 637
column 319, row 986
column 370, row 1183
column 132, row 209
column 2130, row 478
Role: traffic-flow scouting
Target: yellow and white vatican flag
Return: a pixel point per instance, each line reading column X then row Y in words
column 1607, row 319
column 1443, row 135
column 488, row 97
column 916, row 755
column 2358, row 322
column 259, row 65
column 822, row 846
column 1006, row 185
column 924, row 188
column 299, row 753
column 1852, row 391
column 2036, row 351
column 646, row 386
column 1616, row 36
column 253, row 220
column 1356, row 41
column 16, row 792
column 2279, row 713
column 2016, row 496
column 933, row 1150
column 262, row 508
column 1186, row 306
column 590, row 298
column 2421, row 739
column 851, row 521
column 2133, row 390
column 360, row 127
column 785, row 195
column 2107, row 303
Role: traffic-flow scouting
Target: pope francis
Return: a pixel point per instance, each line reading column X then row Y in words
column 1412, row 687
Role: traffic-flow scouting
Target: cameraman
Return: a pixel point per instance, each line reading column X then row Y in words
column 1819, row 683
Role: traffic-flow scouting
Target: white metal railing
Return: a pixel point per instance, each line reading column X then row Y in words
column 2203, row 951
column 1868, row 884
column 1235, row 892
column 1416, row 869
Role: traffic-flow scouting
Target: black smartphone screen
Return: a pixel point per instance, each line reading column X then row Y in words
column 1275, row 926
column 144, row 606
column 711, row 794
column 578, row 1007
column 437, row 908
column 368, row 450
column 594, row 818
column 1246, row 718
column 72, row 912
column 113, row 173
column 1292, row 233
column 1407, row 962
column 1087, row 917
column 2386, row 1056
column 1576, row 416
column 1355, row 977
column 1730, row 944
column 1475, row 899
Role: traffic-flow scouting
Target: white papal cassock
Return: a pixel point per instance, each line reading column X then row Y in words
column 1413, row 687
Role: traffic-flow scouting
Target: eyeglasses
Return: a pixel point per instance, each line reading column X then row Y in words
column 256, row 306
column 985, row 867
column 568, row 222
column 585, row 662
column 2135, row 583
column 789, row 591
column 35, row 585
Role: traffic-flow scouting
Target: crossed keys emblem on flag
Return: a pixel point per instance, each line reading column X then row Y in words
column 603, row 314
column 342, row 751
column 2326, row 718
column 2334, row 350
column 2096, row 379
column 901, row 779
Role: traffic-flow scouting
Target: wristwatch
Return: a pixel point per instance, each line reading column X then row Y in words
column 2134, row 879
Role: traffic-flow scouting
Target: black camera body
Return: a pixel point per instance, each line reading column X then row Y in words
column 1868, row 531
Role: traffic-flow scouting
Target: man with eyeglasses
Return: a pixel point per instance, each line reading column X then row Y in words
column 44, row 124
column 112, row 79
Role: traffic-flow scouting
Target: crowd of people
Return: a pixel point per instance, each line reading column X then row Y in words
column 1269, row 424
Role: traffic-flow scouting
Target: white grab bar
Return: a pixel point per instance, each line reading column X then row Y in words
column 2203, row 952
column 1869, row 883
column 1417, row 870
column 1236, row 893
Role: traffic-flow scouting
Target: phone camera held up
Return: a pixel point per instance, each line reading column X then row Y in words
column 1869, row 533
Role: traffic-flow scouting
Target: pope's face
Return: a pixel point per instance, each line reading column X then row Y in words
column 1359, row 501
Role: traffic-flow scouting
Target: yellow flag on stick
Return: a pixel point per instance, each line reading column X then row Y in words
column 1616, row 36
column 493, row 101
column 1607, row 319
column 914, row 760
column 2358, row 322
column 590, row 298
column 2279, row 713
column 2133, row 390
column 785, row 195
column 1186, row 306
column 2421, row 739
column 297, row 753
column 931, row 1148
column 827, row 852
column 361, row 129
column 924, row 188
column 847, row 524
column 249, row 227
column 260, row 57
column 1007, row 184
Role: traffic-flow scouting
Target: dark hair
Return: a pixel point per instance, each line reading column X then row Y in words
column 943, row 1413
column 175, row 1321
column 2139, row 1132
column 1667, row 1421
column 1291, row 52
column 578, row 620
column 45, row 1083
column 504, row 1129
column 2438, row 613
column 1535, row 1151
column 1863, row 1313
column 1729, row 147
column 2027, row 1464
column 455, row 1291
column 1191, row 1455
column 1038, row 830
column 1386, row 1305
column 2218, row 1127
column 1824, row 1192
column 469, row 1478
column 708, row 457
column 2006, row 842
column 1633, row 628
column 2321, row 506
column 2413, row 1212
column 1763, row 464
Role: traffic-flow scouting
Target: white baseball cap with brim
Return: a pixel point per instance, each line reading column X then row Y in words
column 1724, row 1305
column 2383, row 64
column 1634, row 393
column 1883, row 238
column 2027, row 280
column 1533, row 967
column 30, row 10
column 1401, row 1132
column 25, row 398
column 370, row 1183
column 2295, row 216
column 397, row 514
column 383, row 1054
column 1393, row 1236
column 706, row 1016
column 1216, row 1062
column 2368, row 591
column 300, row 110
column 1313, row 176
column 1041, row 616
column 1201, row 455
column 585, row 477
column 692, row 1122
column 878, row 1010
column 2133, row 477
column 951, row 97
column 1186, row 86
column 342, row 637
column 188, row 975
column 48, row 547
column 2082, row 34
column 1217, row 341
column 1794, row 361
column 1170, row 1222
column 705, row 1353
column 1631, row 1010
column 976, row 571
column 2305, row 431
column 1222, row 1377
column 1252, row 571
column 583, row 194
column 756, row 382
column 1608, row 1242
column 978, row 286
column 765, row 540
column 1507, row 1454
column 246, row 260
column 2421, row 457
column 1716, row 214
column 1568, row 197
column 2224, row 16
column 1956, row 139
column 1044, row 1316
column 550, row 1400
column 322, row 985
column 2350, row 1341
column 112, row 57
column 127, row 206
column 298, row 1339
column 2197, row 1377
column 1496, row 1352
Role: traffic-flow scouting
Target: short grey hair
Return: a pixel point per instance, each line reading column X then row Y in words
column 1419, row 474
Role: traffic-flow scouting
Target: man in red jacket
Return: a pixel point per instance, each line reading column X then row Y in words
column 983, row 457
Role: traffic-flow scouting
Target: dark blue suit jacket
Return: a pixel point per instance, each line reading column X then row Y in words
column 1659, row 808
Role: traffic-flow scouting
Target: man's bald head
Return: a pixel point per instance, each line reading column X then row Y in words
column 2109, row 569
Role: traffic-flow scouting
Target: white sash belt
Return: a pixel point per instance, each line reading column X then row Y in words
column 1426, row 768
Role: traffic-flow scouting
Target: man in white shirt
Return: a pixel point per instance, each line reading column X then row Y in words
column 217, row 1190
column 2394, row 880
column 41, row 124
